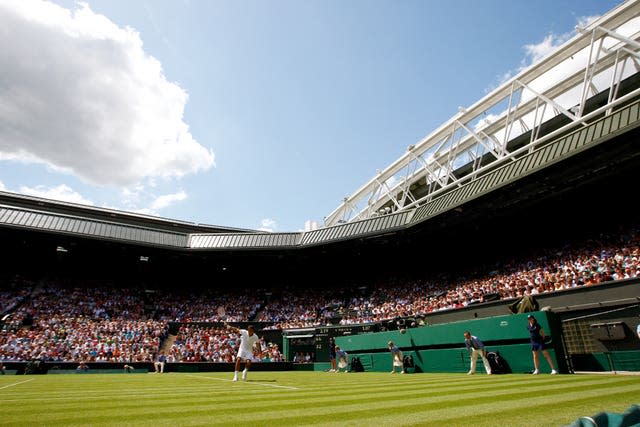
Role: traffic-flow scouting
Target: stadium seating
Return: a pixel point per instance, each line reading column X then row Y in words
column 630, row 418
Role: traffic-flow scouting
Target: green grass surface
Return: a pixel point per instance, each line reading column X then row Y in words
column 311, row 398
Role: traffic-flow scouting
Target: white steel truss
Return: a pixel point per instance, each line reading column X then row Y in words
column 597, row 59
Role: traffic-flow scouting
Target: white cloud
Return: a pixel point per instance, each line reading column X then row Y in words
column 537, row 51
column 61, row 192
column 137, row 199
column 165, row 200
column 584, row 21
column 133, row 191
column 145, row 211
column 2, row 187
column 268, row 224
column 80, row 95
column 132, row 196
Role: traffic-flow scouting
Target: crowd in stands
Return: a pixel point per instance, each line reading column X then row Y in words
column 303, row 357
column 562, row 269
column 607, row 258
column 13, row 292
column 60, row 320
column 68, row 323
column 292, row 309
column 198, row 343
column 209, row 305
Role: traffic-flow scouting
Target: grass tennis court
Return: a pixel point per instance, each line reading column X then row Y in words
column 310, row 398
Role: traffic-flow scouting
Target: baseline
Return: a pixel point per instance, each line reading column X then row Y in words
column 246, row 382
column 21, row 382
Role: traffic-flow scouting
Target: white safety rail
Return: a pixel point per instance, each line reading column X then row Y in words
column 596, row 60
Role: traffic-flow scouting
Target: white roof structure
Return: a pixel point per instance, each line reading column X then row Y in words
column 574, row 113
column 479, row 139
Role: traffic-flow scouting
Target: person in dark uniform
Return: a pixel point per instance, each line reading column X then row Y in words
column 332, row 354
column 537, row 345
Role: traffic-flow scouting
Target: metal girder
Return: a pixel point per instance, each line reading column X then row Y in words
column 465, row 138
column 573, row 117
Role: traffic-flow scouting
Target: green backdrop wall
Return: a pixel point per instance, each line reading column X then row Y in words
column 440, row 348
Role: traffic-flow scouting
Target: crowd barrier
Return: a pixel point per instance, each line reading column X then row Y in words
column 440, row 348
column 35, row 368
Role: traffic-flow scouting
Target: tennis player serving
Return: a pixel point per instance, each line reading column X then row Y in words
column 248, row 339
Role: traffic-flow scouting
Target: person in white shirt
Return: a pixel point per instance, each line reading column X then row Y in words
column 248, row 339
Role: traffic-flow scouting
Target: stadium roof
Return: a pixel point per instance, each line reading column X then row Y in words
column 601, row 147
column 509, row 122
column 536, row 136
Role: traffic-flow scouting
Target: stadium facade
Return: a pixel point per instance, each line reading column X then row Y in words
column 550, row 155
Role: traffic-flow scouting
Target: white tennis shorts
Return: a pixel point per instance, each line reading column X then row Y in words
column 245, row 355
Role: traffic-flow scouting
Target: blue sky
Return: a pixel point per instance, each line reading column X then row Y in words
column 250, row 114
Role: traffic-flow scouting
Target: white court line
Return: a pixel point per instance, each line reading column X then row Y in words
column 21, row 382
column 250, row 382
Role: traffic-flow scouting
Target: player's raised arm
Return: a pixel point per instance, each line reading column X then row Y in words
column 231, row 328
